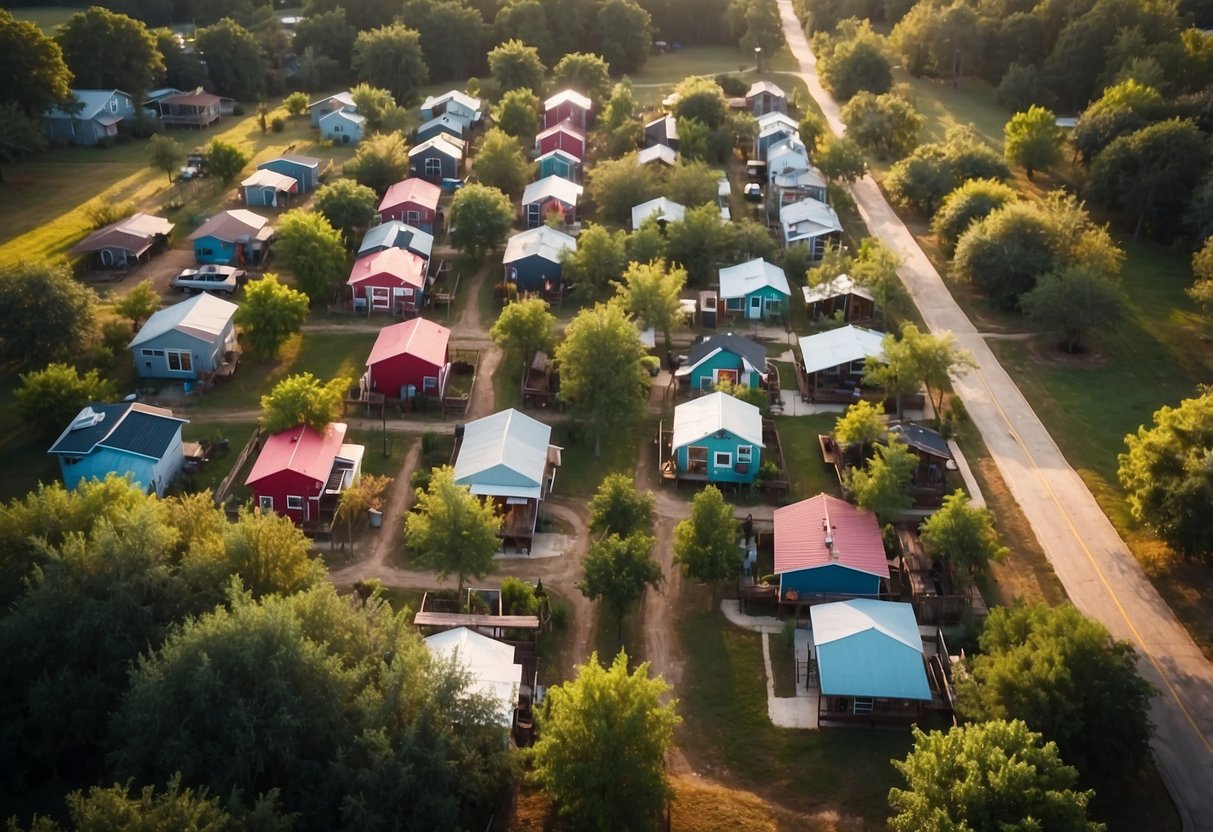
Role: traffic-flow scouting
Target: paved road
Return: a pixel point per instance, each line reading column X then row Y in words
column 1099, row 573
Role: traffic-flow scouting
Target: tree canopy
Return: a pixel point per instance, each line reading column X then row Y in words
column 303, row 399
column 51, row 397
column 931, row 171
column 500, row 163
column 599, row 259
column 617, row 570
column 972, row 201
column 963, row 534
column 390, row 57
column 451, row 531
column 225, row 160
column 1070, row 302
column 617, row 507
column 348, row 206
column 651, row 292
column 852, row 60
column 524, row 327
column 271, row 313
column 882, row 486
column 48, row 314
column 705, row 545
column 234, row 60
column 452, row 36
column 33, row 74
column 1032, row 140
column 615, row 186
column 516, row 65
column 380, row 162
column 517, row 113
column 129, row 60
column 624, row 33
column 887, row 124
column 480, row 219
column 314, row 252
column 587, row 73
column 139, row 304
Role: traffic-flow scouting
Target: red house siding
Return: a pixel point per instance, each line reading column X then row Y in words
column 424, row 216
column 288, row 483
column 560, row 140
column 566, row 110
column 391, row 374
column 387, row 281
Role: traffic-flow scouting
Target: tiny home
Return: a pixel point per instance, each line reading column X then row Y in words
column 532, row 258
column 662, row 210
column 450, row 125
column 826, row 546
column 189, row 109
column 127, row 439
column 755, row 290
column 716, row 438
column 810, row 223
column 342, row 127
column 127, row 242
column 438, row 158
column 413, row 202
column 187, row 340
column 342, row 102
column 391, row 280
column 765, row 97
column 99, row 114
column 268, row 188
column 303, row 169
column 409, row 358
column 725, row 358
column 301, row 473
column 559, row 163
column 657, row 154
column 232, row 238
column 567, row 106
column 550, row 195
column 772, row 134
column 395, row 234
column 662, row 130
column 490, row 665
column 795, row 185
column 835, row 359
column 562, row 136
column 452, row 103
column 840, row 298
column 787, row 155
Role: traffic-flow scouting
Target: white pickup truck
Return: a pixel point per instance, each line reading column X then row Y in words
column 224, row 280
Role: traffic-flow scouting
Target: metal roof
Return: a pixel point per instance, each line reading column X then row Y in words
column 559, row 154
column 544, row 242
column 922, row 439
column 135, row 233
column 808, row 218
column 354, row 118
column 837, row 287
column 748, row 350
column 451, row 95
column 404, row 266
column 658, row 153
column 552, row 186
column 562, row 127
column 835, row 347
column 449, row 119
column 826, row 531
column 744, row 278
column 807, row 178
column 421, row 338
column 490, row 664
column 266, row 178
column 395, row 234
column 660, row 208
column 759, row 87
column 93, row 103
column 569, row 96
column 792, row 145
column 294, row 159
column 132, row 427
column 504, row 455
column 775, row 117
column 300, row 449
column 203, row 316
column 715, row 412
column 869, row 648
column 444, row 144
column 232, row 226
column 343, row 97
column 411, row 190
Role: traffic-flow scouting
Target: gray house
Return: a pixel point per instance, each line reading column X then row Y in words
column 188, row 340
column 99, row 114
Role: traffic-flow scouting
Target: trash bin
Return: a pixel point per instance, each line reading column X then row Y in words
column 376, row 518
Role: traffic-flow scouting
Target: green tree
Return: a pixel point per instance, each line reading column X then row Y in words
column 882, row 486
column 269, row 552
column 618, row 508
column 360, row 498
column 931, row 359
column 303, row 399
column 624, row 32
column 970, row 202
column 313, row 250
column 390, row 57
column 886, row 124
column 167, row 155
column 453, row 36
column 20, row 136
column 605, row 723
column 376, row 104
column 1121, row 109
column 619, row 108
column 931, row 171
column 1070, row 302
column 316, row 70
column 617, row 570
column 646, row 243
column 853, row 60
column 602, row 378
column 1065, row 676
column 523, row 328
column 234, row 59
column 600, row 257
column 941, row 39
column 380, row 162
column 697, row 243
column 183, row 70
column 51, row 397
column 225, row 160
column 1032, row 140
column 296, row 104
column 148, row 810
column 33, row 75
column 129, row 61
column 587, row 73
column 517, row 113
column 615, row 186
column 991, row 775
column 139, row 304
column 348, row 207
column 705, row 545
column 48, row 314
column 701, row 99
column 271, row 313
column 841, row 159
column 1201, row 290
column 692, row 184
column 1165, row 474
column 963, row 534
column 875, row 269
column 451, row 531
column 861, row 425
column 526, row 21
column 516, row 65
column 651, row 292
column 500, row 163
column 480, row 219
column 756, row 25
column 328, row 34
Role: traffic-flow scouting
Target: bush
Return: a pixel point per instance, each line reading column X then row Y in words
column 518, row 598
column 116, row 335
column 421, row 478
column 733, row 85
column 238, row 110
column 101, row 214
column 278, row 124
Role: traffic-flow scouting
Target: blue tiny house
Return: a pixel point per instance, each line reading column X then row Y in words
column 127, row 439
column 559, row 163
column 303, row 169
column 187, row 339
column 436, row 159
column 532, row 258
column 341, row 127
column 100, row 113
column 232, row 238
column 725, row 358
column 716, row 438
column 755, row 290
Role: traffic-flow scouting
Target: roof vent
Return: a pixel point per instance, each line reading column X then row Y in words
column 88, row 418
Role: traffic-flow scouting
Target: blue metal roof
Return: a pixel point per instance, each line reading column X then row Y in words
column 869, row 648
column 130, row 427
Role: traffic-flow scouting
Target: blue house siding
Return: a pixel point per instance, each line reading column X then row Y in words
column 556, row 166
column 148, row 473
column 704, row 376
column 152, row 357
column 214, row 250
column 307, row 177
column 757, row 305
column 717, row 471
column 530, row 272
column 834, row 579
column 260, row 196
column 445, row 167
column 341, row 129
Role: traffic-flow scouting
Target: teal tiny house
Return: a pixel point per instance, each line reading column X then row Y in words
column 717, row 438
column 826, row 546
column 725, row 358
column 755, row 290
column 232, row 238
column 127, row 439
column 560, row 163
column 303, row 169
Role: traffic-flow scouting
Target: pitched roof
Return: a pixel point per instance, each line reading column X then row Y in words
column 266, row 178
column 853, row 538
column 294, row 159
column 444, row 144
column 759, row 87
column 790, row 146
column 808, row 218
column 448, row 119
column 661, row 208
column 203, row 316
column 233, row 226
column 744, row 278
column 668, row 124
column 776, row 117
column 552, row 186
column 343, row 97
column 869, row 648
column 132, row 427
column 544, row 242
column 838, row 286
column 302, row 450
column 135, row 233
column 451, row 95
column 403, row 265
column 809, row 177
column 748, row 350
column 504, row 455
column 420, row 338
column 714, row 412
column 395, row 234
column 657, row 153
column 562, row 127
column 490, row 663
column 412, row 189
column 558, row 153
column 840, row 346
column 778, row 128
column 922, row 439
column 93, row 102
column 567, row 96
column 345, row 115
column 198, row 98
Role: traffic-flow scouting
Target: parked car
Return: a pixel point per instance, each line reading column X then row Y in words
column 223, row 280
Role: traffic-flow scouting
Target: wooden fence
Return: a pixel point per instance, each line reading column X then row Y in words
column 225, row 487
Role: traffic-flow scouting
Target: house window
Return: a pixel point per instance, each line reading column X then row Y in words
column 430, row 383
column 862, row 705
column 722, row 459
column 856, row 368
column 294, row 503
column 148, row 352
column 265, row 502
column 734, row 304
column 745, row 454
column 412, row 218
column 433, row 167
column 113, row 105
column 182, row 362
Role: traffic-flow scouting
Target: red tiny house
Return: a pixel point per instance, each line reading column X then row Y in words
column 387, row 280
column 301, row 472
column 567, row 106
column 413, row 202
column 562, row 136
column 414, row 354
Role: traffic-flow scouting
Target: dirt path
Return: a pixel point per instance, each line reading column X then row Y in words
column 468, row 324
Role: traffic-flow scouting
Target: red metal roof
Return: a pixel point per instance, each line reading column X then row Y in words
column 412, row 190
column 421, row 338
column 393, row 262
column 301, row 449
column 800, row 537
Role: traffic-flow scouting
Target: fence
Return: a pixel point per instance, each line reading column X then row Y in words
column 225, row 487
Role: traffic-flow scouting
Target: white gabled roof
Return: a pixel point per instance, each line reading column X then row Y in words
column 504, row 455
column 452, row 95
column 343, row 115
column 202, row 316
column 840, row 346
column 744, row 278
column 266, row 178
column 344, row 97
column 548, row 243
column 808, row 218
column 791, row 146
column 92, row 104
column 775, row 117
column 841, row 285
column 569, row 96
column 552, row 186
column 714, row 412
column 489, row 662
column 658, row 153
column 443, row 143
column 809, row 177
column 759, row 87
column 661, row 208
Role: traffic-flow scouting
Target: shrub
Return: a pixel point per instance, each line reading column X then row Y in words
column 238, row 110
column 278, row 124
column 101, row 214
column 518, row 597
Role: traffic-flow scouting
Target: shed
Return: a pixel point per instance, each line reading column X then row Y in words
column 839, row 355
column 387, row 280
column 809, row 223
column 766, row 97
column 839, row 297
column 186, row 339
column 717, row 438
column 662, row 130
column 532, row 258
column 559, row 163
column 756, row 290
column 550, row 195
column 303, row 169
column 395, row 234
column 562, row 136
column 268, row 188
column 414, row 354
column 237, row 237
column 567, row 106
column 489, row 664
column 128, row 439
column 795, row 185
column 99, row 114
column 658, row 154
column 127, row 242
column 412, row 201
column 725, row 358
column 343, row 127
column 438, row 158
column 661, row 209
column 340, row 102
column 301, row 472
column 772, row 134
column 826, row 546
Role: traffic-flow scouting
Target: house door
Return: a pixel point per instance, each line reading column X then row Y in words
column 755, row 308
column 107, row 257
column 381, row 297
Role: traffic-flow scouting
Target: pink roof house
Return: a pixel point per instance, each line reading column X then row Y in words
column 413, row 202
column 413, row 354
column 381, row 281
column 301, row 472
column 826, row 546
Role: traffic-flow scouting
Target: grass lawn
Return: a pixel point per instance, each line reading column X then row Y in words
column 945, row 107
column 580, row 472
column 374, row 461
column 220, row 463
column 809, row 474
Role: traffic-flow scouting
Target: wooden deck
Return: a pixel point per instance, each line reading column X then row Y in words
column 936, row 597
